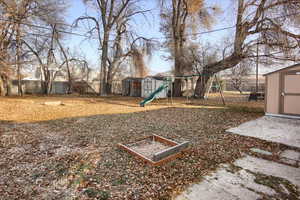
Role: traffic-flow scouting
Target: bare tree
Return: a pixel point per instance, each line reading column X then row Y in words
column 6, row 36
column 111, row 28
column 238, row 75
column 18, row 11
column 47, row 47
column 128, row 47
column 266, row 23
column 181, row 17
column 197, row 56
column 22, row 20
column 58, row 60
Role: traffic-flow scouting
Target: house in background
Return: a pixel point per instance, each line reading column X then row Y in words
column 248, row 83
column 282, row 94
column 34, row 87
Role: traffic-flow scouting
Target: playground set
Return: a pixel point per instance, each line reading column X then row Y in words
column 156, row 150
column 168, row 85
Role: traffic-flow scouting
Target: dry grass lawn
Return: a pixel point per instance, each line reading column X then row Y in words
column 69, row 151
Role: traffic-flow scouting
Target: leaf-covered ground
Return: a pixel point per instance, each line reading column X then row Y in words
column 70, row 152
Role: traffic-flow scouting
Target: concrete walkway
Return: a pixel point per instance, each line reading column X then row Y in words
column 253, row 177
column 247, row 179
column 275, row 129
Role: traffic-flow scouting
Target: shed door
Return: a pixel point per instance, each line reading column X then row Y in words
column 136, row 88
column 147, row 87
column 290, row 93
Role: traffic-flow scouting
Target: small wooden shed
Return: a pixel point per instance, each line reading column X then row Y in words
column 282, row 95
column 152, row 83
column 131, row 87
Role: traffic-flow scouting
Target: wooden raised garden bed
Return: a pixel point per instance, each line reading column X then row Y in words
column 155, row 150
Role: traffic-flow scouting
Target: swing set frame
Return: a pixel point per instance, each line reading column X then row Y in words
column 169, row 80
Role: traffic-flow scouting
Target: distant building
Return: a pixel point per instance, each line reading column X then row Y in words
column 34, row 87
column 58, row 87
column 248, row 83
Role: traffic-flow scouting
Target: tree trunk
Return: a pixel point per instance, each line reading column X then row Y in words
column 8, row 87
column 43, row 83
column 109, row 81
column 44, row 86
column 50, row 85
column 213, row 68
column 5, row 86
column 2, row 88
column 103, row 75
column 47, row 82
column 179, row 15
column 70, row 83
column 201, row 86
column 230, row 61
column 178, row 70
column 109, row 87
column 18, row 60
column 177, row 88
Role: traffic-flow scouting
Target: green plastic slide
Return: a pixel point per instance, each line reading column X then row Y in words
column 152, row 96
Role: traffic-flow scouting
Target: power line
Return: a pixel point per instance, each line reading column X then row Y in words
column 81, row 35
column 45, row 28
column 48, row 28
column 233, row 26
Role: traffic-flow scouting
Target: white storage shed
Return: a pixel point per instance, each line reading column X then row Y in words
column 152, row 83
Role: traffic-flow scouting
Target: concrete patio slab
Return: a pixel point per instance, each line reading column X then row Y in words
column 275, row 129
column 291, row 154
column 241, row 181
column 226, row 185
column 267, row 167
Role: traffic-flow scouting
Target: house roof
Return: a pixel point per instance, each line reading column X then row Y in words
column 282, row 69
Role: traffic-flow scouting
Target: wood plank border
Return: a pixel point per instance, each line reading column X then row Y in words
column 164, row 140
column 166, row 158
column 167, row 152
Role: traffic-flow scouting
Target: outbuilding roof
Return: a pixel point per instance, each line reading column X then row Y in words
column 282, row 69
column 132, row 78
column 156, row 77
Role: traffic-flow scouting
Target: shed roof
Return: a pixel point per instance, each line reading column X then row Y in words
column 157, row 77
column 282, row 69
column 132, row 78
